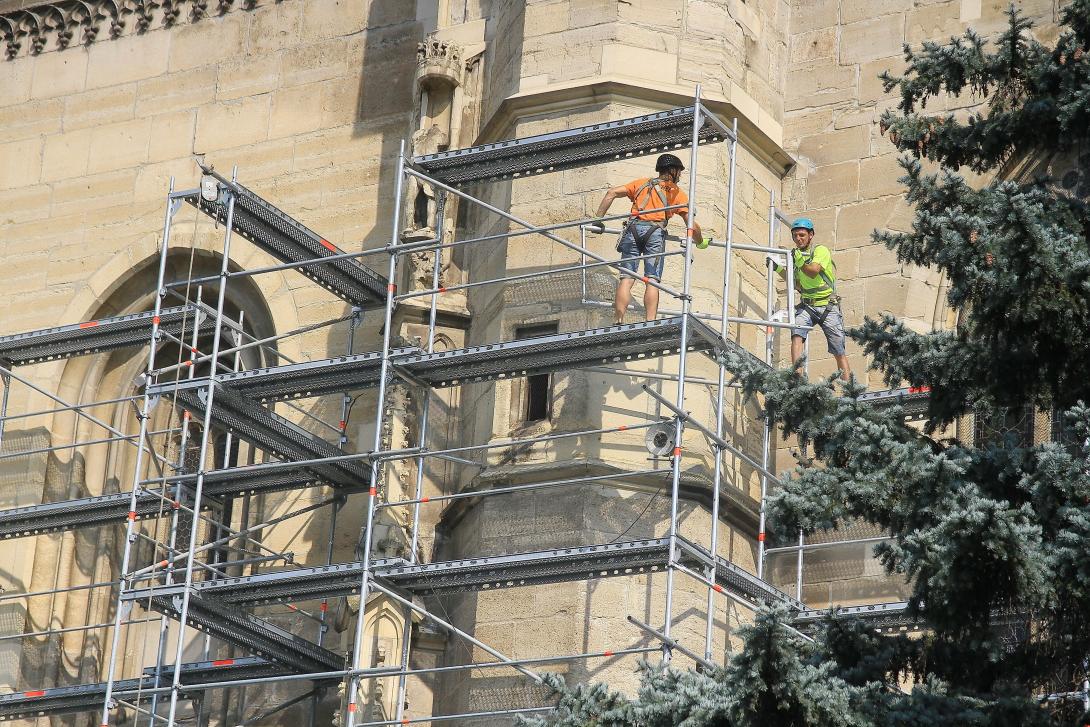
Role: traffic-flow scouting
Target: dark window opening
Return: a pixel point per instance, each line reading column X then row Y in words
column 539, row 387
column 1003, row 425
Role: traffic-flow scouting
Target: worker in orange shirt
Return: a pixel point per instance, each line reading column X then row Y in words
column 645, row 231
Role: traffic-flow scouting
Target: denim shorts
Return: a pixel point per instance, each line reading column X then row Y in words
column 832, row 326
column 630, row 248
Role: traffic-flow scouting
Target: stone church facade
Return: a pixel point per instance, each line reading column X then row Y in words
column 103, row 102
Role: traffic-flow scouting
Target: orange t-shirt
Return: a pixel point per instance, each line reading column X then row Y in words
column 650, row 200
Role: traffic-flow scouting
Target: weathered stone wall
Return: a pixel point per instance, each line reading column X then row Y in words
column 310, row 100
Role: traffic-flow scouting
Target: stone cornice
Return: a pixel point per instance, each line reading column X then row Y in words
column 30, row 27
column 757, row 132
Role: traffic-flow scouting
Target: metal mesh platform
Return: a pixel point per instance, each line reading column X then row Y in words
column 561, row 351
column 244, row 630
column 610, row 345
column 481, row 574
column 581, row 147
column 880, row 616
column 257, row 425
column 88, row 697
column 113, row 509
column 912, row 400
column 311, row 378
column 105, row 334
column 290, row 241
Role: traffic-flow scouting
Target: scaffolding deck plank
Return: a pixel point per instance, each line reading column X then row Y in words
column 254, row 635
column 89, row 337
column 113, row 509
column 312, row 378
column 479, row 574
column 257, row 425
column 912, row 400
column 605, row 346
column 609, row 345
column 88, row 697
column 892, row 616
column 290, row 241
column 655, row 133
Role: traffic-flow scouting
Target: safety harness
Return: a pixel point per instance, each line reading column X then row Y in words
column 651, row 184
column 834, row 299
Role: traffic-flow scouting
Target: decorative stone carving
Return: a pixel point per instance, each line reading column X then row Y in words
column 439, row 60
column 83, row 21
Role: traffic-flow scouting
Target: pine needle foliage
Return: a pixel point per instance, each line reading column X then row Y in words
column 993, row 536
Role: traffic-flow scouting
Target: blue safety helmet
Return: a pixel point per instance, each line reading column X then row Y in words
column 804, row 222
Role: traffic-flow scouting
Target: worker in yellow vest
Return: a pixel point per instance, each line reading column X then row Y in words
column 819, row 305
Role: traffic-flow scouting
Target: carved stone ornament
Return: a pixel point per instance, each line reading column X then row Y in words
column 1065, row 174
column 439, row 59
column 85, row 21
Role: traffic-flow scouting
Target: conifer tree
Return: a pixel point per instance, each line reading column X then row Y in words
column 995, row 538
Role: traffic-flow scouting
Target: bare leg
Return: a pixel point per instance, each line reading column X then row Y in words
column 624, row 295
column 651, row 301
column 842, row 364
column 798, row 347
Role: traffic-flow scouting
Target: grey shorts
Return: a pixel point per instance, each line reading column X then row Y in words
column 655, row 243
column 832, row 326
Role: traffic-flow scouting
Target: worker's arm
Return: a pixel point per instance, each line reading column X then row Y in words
column 698, row 234
column 814, row 263
column 612, row 194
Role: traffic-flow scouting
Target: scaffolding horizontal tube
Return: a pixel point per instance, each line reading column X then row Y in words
column 233, row 534
column 429, row 245
column 647, row 375
column 830, row 544
column 463, row 715
column 263, row 342
column 71, row 407
column 88, row 627
column 508, row 216
column 380, row 673
column 85, row 443
column 274, row 268
column 518, row 488
column 712, row 317
column 417, row 451
column 540, row 274
column 50, row 591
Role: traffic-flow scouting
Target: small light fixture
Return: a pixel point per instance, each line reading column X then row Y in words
column 659, row 439
column 210, row 188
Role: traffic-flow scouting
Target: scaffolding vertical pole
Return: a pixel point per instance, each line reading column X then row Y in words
column 323, row 609
column 721, row 385
column 802, row 539
column 766, row 437
column 414, row 538
column 440, row 207
column 172, row 539
column 679, row 423
column 6, row 380
column 206, row 436
column 130, row 524
column 372, row 497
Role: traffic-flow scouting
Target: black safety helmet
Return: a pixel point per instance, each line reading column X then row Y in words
column 668, row 161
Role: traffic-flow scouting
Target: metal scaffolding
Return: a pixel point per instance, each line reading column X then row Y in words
column 186, row 569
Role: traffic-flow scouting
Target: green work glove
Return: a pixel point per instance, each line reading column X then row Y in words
column 702, row 243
